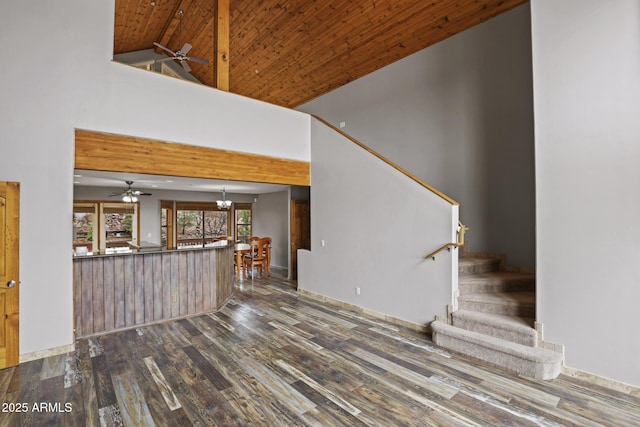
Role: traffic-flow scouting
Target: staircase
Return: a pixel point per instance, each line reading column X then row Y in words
column 495, row 318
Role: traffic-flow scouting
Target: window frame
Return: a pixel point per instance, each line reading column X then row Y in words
column 169, row 205
column 99, row 242
column 202, row 207
column 236, row 225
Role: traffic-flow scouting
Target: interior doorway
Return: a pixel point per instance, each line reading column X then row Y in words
column 300, row 232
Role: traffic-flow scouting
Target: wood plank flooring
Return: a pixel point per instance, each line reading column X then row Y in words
column 272, row 357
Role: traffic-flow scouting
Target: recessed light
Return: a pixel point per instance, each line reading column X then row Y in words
column 168, row 180
column 77, row 176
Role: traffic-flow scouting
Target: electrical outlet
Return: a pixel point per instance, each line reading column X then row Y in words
column 357, row 290
column 174, row 299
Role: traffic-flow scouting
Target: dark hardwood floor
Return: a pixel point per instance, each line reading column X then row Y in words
column 272, row 357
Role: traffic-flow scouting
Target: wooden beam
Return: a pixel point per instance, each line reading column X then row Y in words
column 221, row 45
column 118, row 153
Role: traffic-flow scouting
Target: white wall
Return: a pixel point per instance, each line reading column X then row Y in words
column 377, row 225
column 586, row 66
column 270, row 218
column 61, row 77
column 459, row 115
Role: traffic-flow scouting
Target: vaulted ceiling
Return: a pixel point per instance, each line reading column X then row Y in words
column 290, row 52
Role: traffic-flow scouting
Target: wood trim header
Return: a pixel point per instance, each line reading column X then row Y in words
column 119, row 153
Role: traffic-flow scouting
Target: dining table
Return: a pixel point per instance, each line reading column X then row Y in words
column 240, row 249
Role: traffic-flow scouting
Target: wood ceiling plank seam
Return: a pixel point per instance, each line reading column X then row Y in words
column 288, row 24
column 395, row 39
column 254, row 21
column 316, row 36
column 195, row 19
column 280, row 20
column 133, row 29
column 120, row 25
column 287, row 29
column 143, row 21
column 458, row 20
column 124, row 13
column 365, row 37
column 203, row 40
column 148, row 31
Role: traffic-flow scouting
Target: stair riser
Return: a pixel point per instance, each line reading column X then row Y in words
column 543, row 371
column 488, row 286
column 504, row 309
column 478, row 267
column 527, row 338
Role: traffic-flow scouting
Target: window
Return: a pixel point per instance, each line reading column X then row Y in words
column 84, row 226
column 101, row 225
column 243, row 222
column 200, row 223
column 166, row 224
column 119, row 224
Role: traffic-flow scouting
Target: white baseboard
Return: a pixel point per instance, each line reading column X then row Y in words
column 41, row 354
column 602, row 381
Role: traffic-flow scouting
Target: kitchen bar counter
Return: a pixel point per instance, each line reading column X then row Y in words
column 125, row 290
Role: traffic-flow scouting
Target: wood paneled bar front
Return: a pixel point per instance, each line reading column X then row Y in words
column 122, row 291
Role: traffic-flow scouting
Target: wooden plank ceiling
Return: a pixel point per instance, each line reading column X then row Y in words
column 288, row 53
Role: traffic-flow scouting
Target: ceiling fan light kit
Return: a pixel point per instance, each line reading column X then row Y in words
column 129, row 195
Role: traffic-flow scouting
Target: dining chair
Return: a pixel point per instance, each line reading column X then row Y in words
column 266, row 241
column 255, row 258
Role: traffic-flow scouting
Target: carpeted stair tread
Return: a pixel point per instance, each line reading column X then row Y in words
column 496, row 281
column 533, row 362
column 508, row 328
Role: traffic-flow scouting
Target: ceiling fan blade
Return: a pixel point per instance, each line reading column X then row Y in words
column 185, row 49
column 164, row 48
column 200, row 60
column 164, row 59
column 185, row 66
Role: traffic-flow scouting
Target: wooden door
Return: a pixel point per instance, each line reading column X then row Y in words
column 9, row 280
column 300, row 232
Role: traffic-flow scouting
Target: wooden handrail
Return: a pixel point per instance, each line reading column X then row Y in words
column 389, row 162
column 461, row 230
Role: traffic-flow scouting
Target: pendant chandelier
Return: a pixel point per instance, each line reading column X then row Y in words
column 224, row 203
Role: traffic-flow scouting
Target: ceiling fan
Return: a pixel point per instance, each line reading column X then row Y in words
column 129, row 195
column 181, row 54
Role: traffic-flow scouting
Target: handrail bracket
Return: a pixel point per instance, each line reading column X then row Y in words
column 461, row 230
